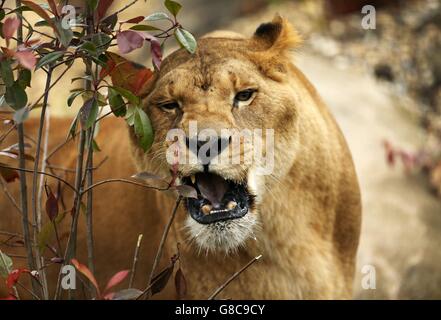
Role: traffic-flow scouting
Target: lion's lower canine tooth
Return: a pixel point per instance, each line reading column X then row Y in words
column 206, row 209
column 193, row 178
column 231, row 205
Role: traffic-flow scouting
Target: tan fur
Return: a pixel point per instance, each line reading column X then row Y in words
column 308, row 209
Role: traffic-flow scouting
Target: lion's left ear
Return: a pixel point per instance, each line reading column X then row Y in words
column 278, row 36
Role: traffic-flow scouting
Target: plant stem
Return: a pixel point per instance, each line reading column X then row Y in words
column 36, row 189
column 135, row 261
column 163, row 239
column 234, row 276
column 23, row 183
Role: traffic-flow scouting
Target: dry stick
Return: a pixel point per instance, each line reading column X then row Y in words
column 162, row 243
column 135, row 261
column 23, row 185
column 36, row 189
column 234, row 276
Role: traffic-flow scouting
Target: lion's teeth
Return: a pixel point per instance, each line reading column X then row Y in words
column 231, row 205
column 206, row 209
column 193, row 178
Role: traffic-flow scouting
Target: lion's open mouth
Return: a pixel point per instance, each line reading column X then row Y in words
column 218, row 199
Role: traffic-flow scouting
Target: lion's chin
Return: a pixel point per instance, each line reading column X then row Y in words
column 222, row 236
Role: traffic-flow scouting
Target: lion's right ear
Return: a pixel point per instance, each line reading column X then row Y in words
column 278, row 36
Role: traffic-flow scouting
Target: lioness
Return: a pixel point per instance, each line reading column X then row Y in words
column 303, row 217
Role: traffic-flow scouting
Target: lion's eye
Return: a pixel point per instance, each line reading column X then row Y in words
column 244, row 95
column 169, row 105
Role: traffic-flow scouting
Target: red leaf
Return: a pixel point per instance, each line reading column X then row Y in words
column 156, row 50
column 126, row 74
column 10, row 297
column 134, row 20
column 103, row 6
column 87, row 273
column 53, row 7
column 180, row 284
column 141, row 79
column 116, row 279
column 40, row 11
column 10, row 26
column 9, row 174
column 129, row 40
column 14, row 276
column 51, row 204
column 26, row 59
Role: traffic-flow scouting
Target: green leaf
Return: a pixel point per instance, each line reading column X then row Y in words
column 42, row 23
column 172, row 6
column 73, row 128
column 89, row 113
column 49, row 58
column 101, row 41
column 128, row 95
column 24, row 78
column 116, row 103
column 2, row 14
column 186, row 40
column 95, row 146
column 5, row 265
column 6, row 73
column 130, row 115
column 110, row 21
column 65, row 35
column 16, row 96
column 89, row 47
column 47, row 231
column 21, row 115
column 73, row 96
column 93, row 4
column 157, row 16
column 143, row 129
column 144, row 27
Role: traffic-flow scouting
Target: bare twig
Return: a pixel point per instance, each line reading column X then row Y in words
column 234, row 276
column 123, row 181
column 5, row 135
column 135, row 261
column 43, row 173
column 50, row 87
column 163, row 239
column 126, row 7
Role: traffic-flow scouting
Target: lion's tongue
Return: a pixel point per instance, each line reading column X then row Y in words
column 212, row 187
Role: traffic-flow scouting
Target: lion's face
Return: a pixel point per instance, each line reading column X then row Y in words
column 221, row 118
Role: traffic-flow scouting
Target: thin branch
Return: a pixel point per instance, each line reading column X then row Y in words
column 163, row 239
column 50, row 87
column 135, row 261
column 5, row 135
column 126, row 7
column 123, row 181
column 234, row 276
column 43, row 173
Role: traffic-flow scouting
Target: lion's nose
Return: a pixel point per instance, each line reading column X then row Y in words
column 208, row 149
